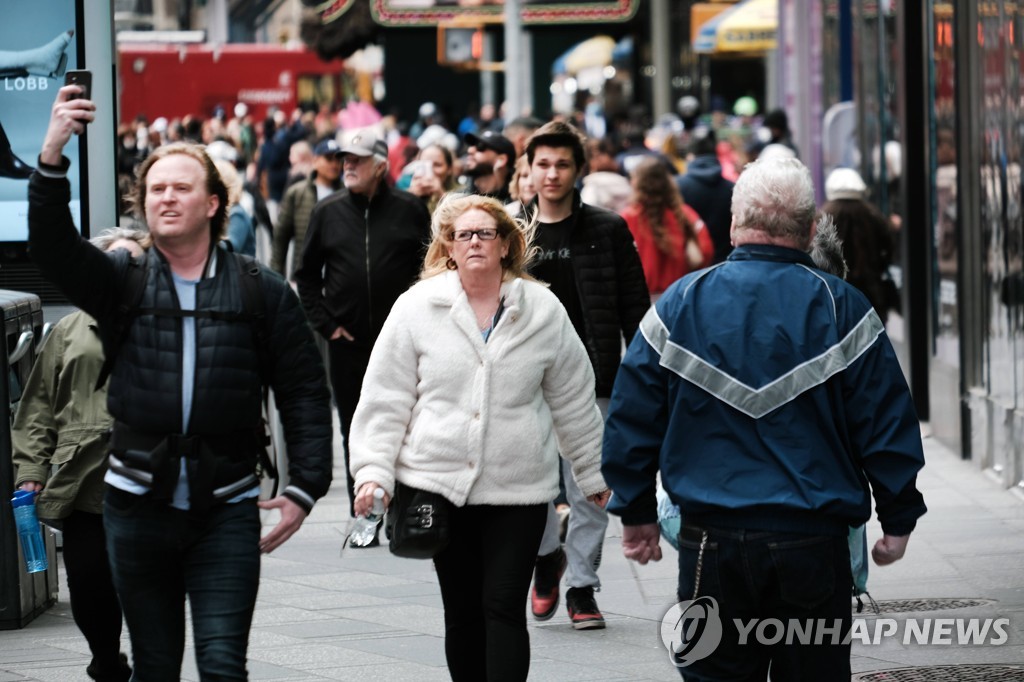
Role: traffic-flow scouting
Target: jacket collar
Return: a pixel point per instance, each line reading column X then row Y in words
column 577, row 206
column 447, row 290
column 779, row 254
column 383, row 191
column 311, row 181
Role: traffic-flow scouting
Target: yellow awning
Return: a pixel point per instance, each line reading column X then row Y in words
column 749, row 26
column 596, row 51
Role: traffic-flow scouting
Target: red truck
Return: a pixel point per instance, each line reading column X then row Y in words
column 178, row 80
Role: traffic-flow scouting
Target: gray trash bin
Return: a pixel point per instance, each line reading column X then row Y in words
column 23, row 596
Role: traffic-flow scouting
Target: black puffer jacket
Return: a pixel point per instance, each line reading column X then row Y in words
column 359, row 257
column 145, row 385
column 610, row 282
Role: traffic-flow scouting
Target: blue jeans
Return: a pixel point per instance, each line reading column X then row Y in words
column 769, row 575
column 159, row 555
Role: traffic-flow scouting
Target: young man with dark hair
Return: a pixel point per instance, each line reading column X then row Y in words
column 588, row 257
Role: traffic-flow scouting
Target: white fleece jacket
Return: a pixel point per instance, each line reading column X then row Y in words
column 480, row 423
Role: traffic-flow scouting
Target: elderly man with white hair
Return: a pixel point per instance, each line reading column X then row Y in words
column 769, row 397
column 364, row 247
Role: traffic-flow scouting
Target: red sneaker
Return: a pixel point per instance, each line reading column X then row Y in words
column 583, row 611
column 546, row 576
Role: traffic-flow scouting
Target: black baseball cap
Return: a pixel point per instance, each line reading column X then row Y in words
column 327, row 148
column 493, row 141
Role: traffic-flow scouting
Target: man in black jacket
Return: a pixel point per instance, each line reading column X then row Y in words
column 588, row 257
column 364, row 247
column 180, row 511
column 707, row 192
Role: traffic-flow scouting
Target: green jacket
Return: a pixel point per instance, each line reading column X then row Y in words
column 292, row 220
column 61, row 429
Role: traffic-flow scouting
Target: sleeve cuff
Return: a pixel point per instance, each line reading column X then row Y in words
column 299, row 497
column 50, row 171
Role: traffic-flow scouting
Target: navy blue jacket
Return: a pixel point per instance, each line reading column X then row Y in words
column 769, row 397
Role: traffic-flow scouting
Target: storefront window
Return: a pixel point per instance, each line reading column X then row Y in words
column 999, row 135
column 944, row 218
column 877, row 44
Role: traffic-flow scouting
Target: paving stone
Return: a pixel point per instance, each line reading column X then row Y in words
column 415, row 649
column 329, row 628
column 368, row 615
column 313, row 656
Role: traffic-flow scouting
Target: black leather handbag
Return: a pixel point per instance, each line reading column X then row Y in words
column 418, row 522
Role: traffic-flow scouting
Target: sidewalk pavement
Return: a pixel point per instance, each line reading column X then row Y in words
column 364, row 614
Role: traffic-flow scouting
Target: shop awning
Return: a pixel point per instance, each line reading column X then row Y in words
column 599, row 51
column 748, row 26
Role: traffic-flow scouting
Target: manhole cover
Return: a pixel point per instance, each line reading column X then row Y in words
column 945, row 673
column 917, row 605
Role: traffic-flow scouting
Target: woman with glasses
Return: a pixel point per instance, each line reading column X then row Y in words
column 476, row 383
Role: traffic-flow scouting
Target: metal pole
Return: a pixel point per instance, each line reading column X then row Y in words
column 526, row 81
column 217, row 22
column 662, row 58
column 488, row 89
column 515, row 65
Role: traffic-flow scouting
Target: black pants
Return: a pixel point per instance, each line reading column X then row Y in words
column 782, row 577
column 94, row 603
column 485, row 577
column 348, row 367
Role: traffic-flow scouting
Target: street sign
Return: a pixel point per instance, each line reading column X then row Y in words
column 534, row 12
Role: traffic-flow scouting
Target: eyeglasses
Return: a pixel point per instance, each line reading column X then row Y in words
column 486, row 234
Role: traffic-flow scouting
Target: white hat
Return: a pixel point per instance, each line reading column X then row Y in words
column 427, row 110
column 844, row 183
column 776, row 151
column 221, row 150
column 241, row 110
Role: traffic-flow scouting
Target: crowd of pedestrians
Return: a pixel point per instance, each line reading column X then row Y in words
column 472, row 290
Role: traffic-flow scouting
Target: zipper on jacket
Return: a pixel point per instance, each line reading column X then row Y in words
column 589, row 337
column 369, row 286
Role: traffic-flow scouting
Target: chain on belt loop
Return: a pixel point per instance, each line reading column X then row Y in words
column 700, row 562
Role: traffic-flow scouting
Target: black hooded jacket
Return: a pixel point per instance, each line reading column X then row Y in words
column 710, row 195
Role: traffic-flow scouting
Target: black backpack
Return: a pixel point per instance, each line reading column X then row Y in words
column 254, row 312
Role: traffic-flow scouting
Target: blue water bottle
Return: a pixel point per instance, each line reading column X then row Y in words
column 29, row 531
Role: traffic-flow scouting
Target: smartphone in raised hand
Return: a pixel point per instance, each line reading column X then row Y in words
column 81, row 78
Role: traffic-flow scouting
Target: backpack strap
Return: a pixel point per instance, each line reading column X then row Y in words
column 127, row 309
column 254, row 305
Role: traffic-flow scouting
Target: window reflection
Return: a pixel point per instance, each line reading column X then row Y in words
column 1000, row 178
